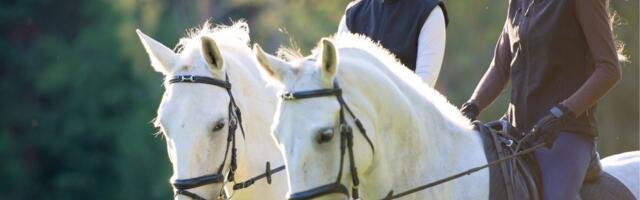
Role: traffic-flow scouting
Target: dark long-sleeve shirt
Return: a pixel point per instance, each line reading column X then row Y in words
column 525, row 63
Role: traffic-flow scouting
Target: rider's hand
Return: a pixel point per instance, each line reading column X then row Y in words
column 470, row 110
column 547, row 129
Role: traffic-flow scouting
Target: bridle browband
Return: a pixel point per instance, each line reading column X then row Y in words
column 346, row 145
column 235, row 119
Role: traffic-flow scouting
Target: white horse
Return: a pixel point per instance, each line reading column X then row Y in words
column 418, row 136
column 194, row 117
column 626, row 168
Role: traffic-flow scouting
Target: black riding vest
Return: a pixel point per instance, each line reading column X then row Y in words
column 396, row 24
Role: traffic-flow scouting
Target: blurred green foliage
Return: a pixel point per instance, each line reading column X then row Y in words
column 78, row 93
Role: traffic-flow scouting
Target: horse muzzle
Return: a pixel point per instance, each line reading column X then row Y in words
column 183, row 185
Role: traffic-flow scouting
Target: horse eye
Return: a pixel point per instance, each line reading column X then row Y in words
column 218, row 126
column 324, row 135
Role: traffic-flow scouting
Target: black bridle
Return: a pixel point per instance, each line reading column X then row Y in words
column 235, row 119
column 182, row 185
column 346, row 145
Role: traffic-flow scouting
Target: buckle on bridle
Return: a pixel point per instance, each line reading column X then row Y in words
column 288, row 96
column 186, row 78
column 345, row 128
column 233, row 124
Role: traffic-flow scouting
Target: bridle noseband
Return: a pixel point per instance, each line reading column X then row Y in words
column 346, row 144
column 182, row 185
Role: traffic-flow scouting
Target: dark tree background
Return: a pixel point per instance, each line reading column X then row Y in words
column 78, row 93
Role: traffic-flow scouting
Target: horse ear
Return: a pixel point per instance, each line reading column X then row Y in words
column 161, row 57
column 211, row 54
column 329, row 62
column 273, row 66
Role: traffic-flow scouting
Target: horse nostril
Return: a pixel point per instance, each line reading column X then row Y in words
column 324, row 135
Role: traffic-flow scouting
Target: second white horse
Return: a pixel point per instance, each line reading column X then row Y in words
column 413, row 134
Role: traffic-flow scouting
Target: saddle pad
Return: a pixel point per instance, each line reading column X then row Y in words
column 605, row 187
column 512, row 179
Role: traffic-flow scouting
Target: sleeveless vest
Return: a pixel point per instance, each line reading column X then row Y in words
column 396, row 24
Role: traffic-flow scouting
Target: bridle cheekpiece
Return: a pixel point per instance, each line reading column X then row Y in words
column 182, row 185
column 346, row 145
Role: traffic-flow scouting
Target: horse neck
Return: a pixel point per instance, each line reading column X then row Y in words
column 257, row 102
column 413, row 133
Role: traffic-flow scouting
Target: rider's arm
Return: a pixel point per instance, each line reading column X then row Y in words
column 431, row 45
column 497, row 76
column 594, row 19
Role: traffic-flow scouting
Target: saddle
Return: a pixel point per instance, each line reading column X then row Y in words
column 519, row 178
column 513, row 179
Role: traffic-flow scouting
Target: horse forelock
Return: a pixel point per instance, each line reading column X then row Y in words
column 232, row 41
column 289, row 54
column 236, row 35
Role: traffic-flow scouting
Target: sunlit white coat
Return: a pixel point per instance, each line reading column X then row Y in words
column 418, row 136
column 188, row 113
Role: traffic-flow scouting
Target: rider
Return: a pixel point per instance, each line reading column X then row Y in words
column 413, row 30
column 561, row 58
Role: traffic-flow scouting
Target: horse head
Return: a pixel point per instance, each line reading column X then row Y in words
column 311, row 130
column 197, row 114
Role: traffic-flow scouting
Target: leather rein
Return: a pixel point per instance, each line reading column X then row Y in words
column 346, row 145
column 235, row 119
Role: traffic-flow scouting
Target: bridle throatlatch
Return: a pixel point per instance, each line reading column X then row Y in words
column 346, row 145
column 235, row 120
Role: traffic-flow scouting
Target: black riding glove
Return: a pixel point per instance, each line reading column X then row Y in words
column 547, row 129
column 470, row 110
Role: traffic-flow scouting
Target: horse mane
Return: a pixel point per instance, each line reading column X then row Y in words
column 361, row 42
column 364, row 43
column 234, row 34
column 392, row 67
